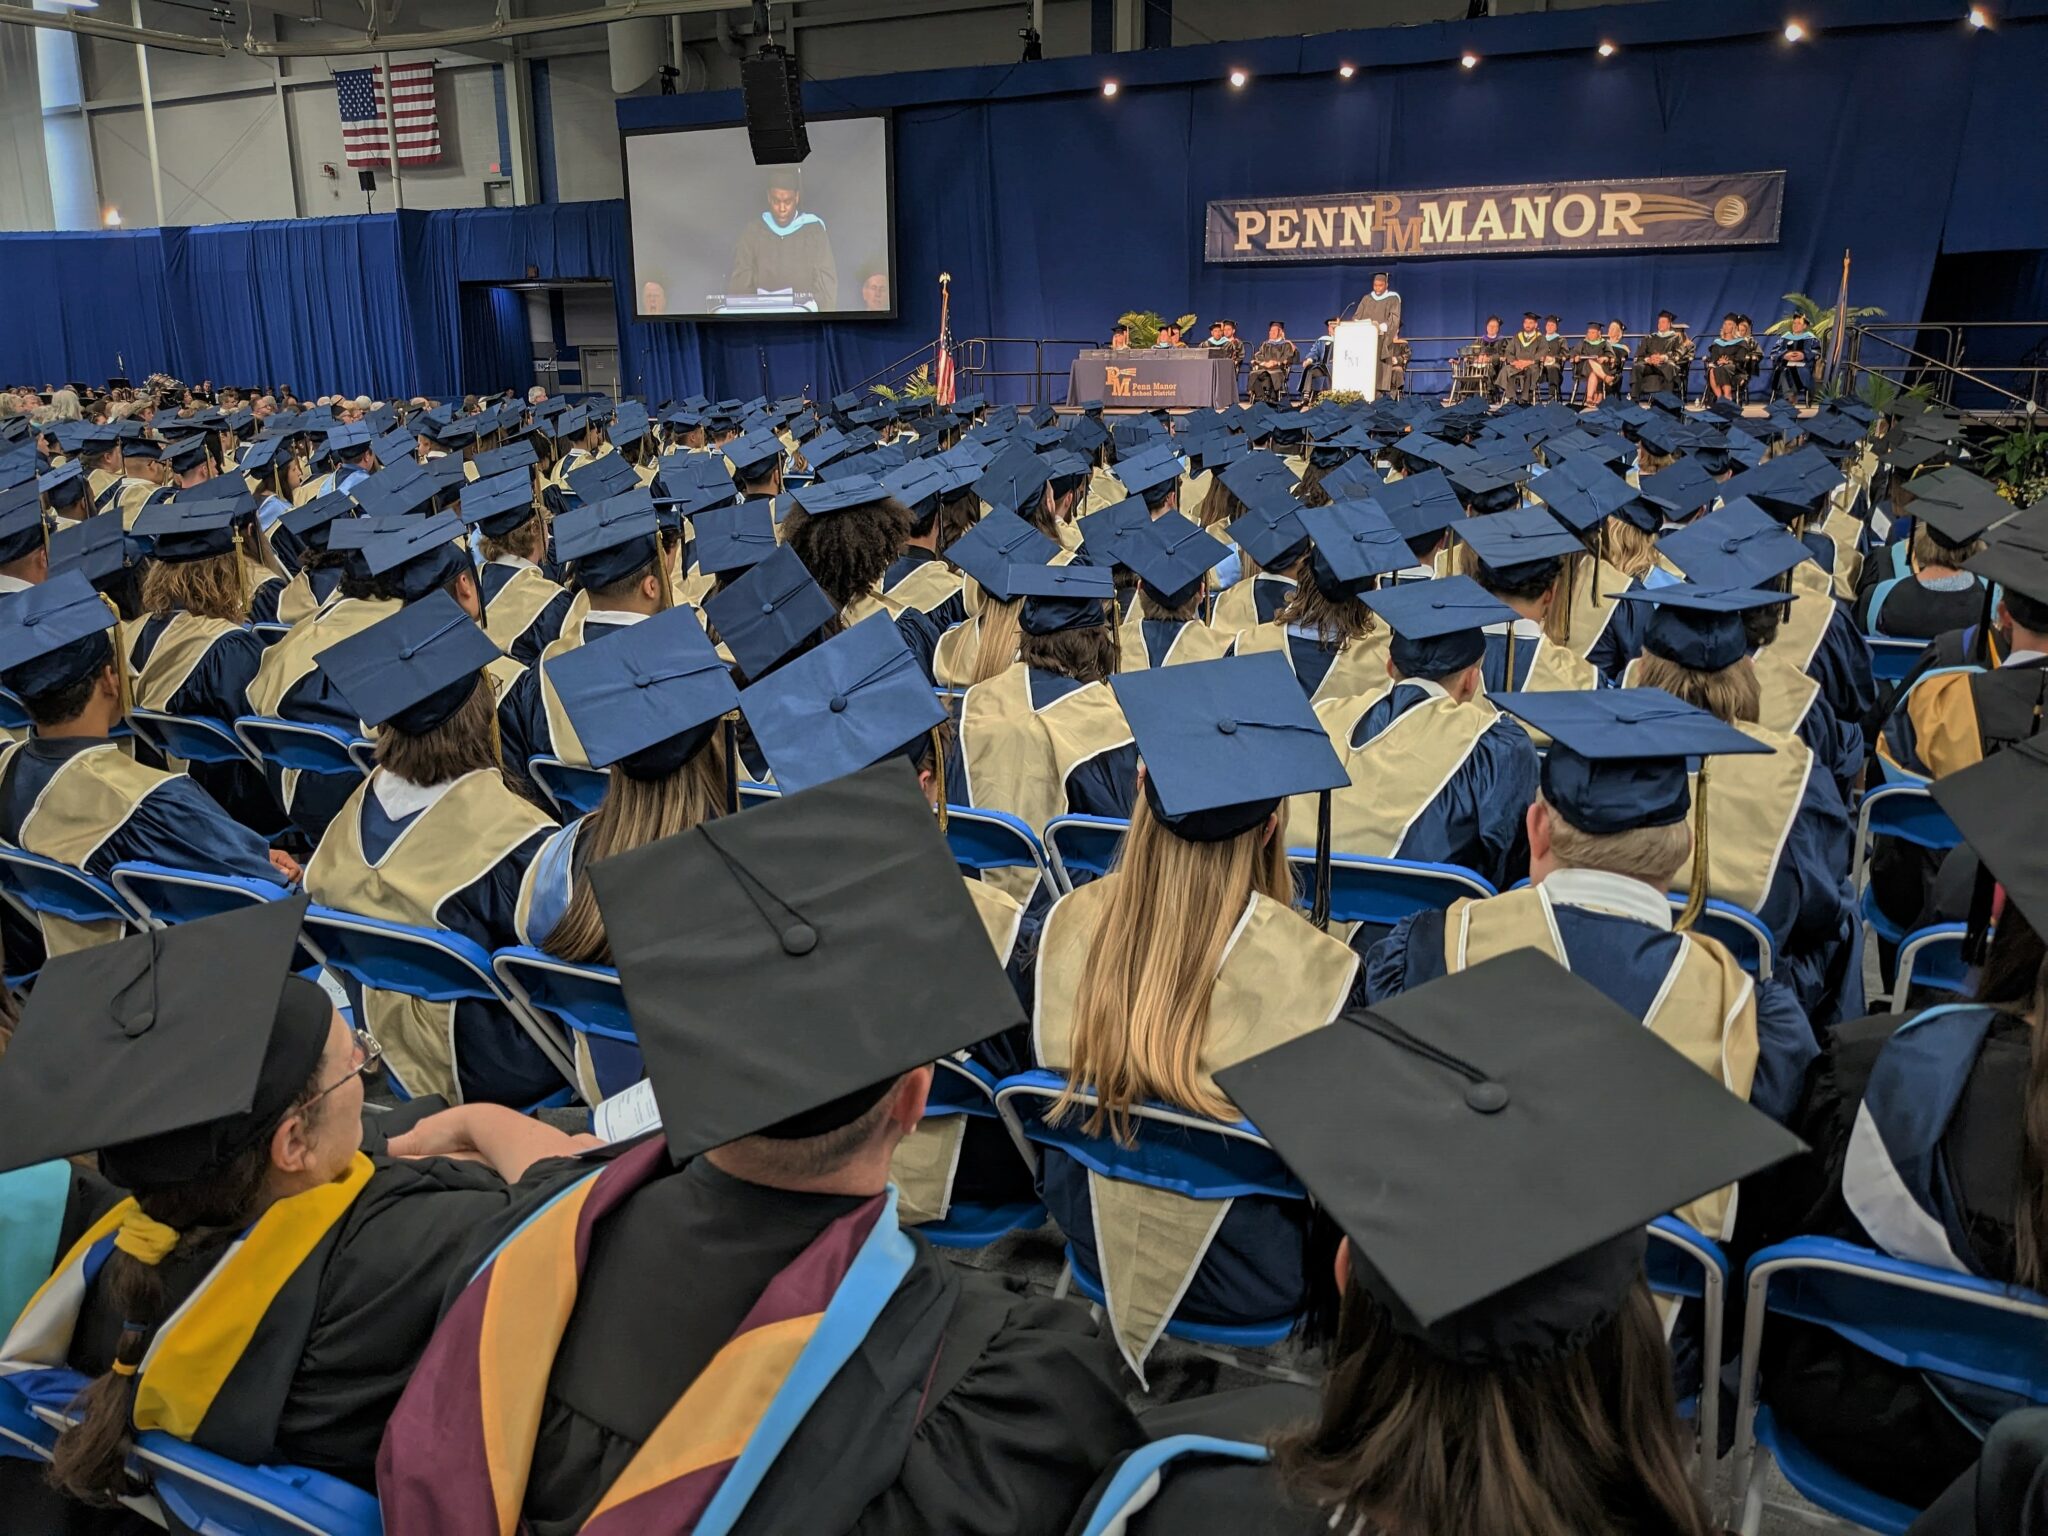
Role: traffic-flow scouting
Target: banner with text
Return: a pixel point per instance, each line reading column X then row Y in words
column 1622, row 215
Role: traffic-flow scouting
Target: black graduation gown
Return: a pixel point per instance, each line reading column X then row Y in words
column 971, row 1406
column 2006, row 1493
column 1883, row 1425
column 1910, row 610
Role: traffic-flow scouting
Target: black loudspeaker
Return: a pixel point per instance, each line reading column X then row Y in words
column 775, row 107
column 367, row 180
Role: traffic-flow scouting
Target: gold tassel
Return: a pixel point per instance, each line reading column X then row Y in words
column 939, row 772
column 1696, row 899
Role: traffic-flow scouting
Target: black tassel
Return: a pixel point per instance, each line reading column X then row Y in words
column 1319, row 908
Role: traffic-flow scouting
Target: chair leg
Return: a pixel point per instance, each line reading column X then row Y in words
column 1065, row 1283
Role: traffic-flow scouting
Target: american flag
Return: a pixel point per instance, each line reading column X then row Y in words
column 942, row 378
column 361, row 94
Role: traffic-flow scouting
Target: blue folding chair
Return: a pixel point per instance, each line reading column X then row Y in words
column 1924, row 1319
column 1892, row 658
column 1684, row 1262
column 966, row 1087
column 574, row 789
column 1740, row 931
column 1932, row 957
column 1171, row 1149
column 162, row 896
column 1082, row 848
column 586, row 1001
column 192, row 737
column 1905, row 811
column 197, row 1490
column 308, row 748
column 429, row 963
column 984, row 840
column 41, row 886
column 1365, row 889
column 13, row 713
column 752, row 794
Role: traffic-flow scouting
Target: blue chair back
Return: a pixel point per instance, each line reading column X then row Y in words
column 162, row 896
column 13, row 713
column 1681, row 1261
column 966, row 1087
column 1974, row 1331
column 1740, row 930
column 270, row 634
column 430, row 963
column 1082, row 848
column 756, row 794
column 46, row 887
column 1170, row 1149
column 1892, row 658
column 1365, row 889
column 583, row 999
column 574, row 788
column 985, row 840
column 1905, row 811
column 308, row 748
column 1932, row 957
column 192, row 737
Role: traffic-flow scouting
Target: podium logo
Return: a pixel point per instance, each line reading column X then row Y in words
column 1118, row 383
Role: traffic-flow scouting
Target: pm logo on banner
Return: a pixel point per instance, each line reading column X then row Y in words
column 1646, row 213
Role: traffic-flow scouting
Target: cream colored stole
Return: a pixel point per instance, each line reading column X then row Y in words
column 1752, row 801
column 1705, row 1009
column 1806, row 619
column 85, row 802
column 928, row 586
column 1279, row 978
column 518, row 603
column 1236, row 608
column 1359, row 669
column 297, row 602
column 178, row 650
column 1397, row 775
column 451, row 844
column 1104, row 490
column 1590, row 614
column 1195, row 641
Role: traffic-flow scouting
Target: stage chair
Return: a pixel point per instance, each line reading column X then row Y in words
column 1684, row 1262
column 191, row 737
column 434, row 964
column 585, row 1000
column 1975, row 1330
column 572, row 788
column 1082, row 848
column 1172, row 1149
column 963, row 1086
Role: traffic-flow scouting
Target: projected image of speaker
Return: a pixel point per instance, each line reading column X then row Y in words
column 775, row 107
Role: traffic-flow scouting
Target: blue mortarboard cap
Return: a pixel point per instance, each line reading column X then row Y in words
column 22, row 530
column 1680, row 490
column 1619, row 757
column 413, row 669
column 845, row 494
column 994, row 546
column 856, row 699
column 1420, row 505
column 770, row 611
column 1064, row 469
column 1699, row 627
column 186, row 454
column 1142, row 472
column 828, row 445
column 53, row 634
column 753, row 454
column 1224, row 742
column 1355, row 542
column 918, row 485
column 258, row 455
column 418, row 555
column 1086, row 434
column 500, row 504
column 1271, row 532
column 395, row 490
column 1739, row 546
column 1012, row 479
column 1062, row 597
column 1519, row 546
column 1438, row 625
column 395, row 446
column 609, row 540
column 346, row 438
column 602, row 478
column 502, row 461
column 312, row 521
column 64, row 485
column 646, row 697
column 734, row 538
column 187, row 529
column 98, row 548
column 1170, row 554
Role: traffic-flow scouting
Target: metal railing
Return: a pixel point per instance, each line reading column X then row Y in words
column 2024, row 389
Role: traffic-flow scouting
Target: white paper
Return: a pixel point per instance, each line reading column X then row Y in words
column 627, row 1113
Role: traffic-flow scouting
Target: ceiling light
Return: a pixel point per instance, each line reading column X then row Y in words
column 1470, row 61
column 1346, row 71
column 1238, row 78
column 1606, row 50
column 1109, row 87
column 1794, row 32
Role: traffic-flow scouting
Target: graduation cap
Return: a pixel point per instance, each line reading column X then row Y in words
column 1065, row 470
column 754, row 453
column 1171, row 556
column 1619, row 757
column 1438, row 626
column 1678, row 491
column 1354, row 543
column 2015, row 558
column 346, row 439
column 846, row 494
column 183, row 530
column 1741, row 545
column 770, row 611
column 835, row 709
column 1085, row 435
column 1012, row 480
column 54, row 634
column 400, row 445
column 1519, row 548
column 1963, row 520
column 97, row 548
column 1998, row 806
column 602, row 478
column 646, row 697
column 828, row 445
column 502, row 461
column 64, row 486
column 136, row 1050
column 259, row 455
column 1421, row 505
column 1271, row 532
column 1583, row 500
column 918, row 485
column 1144, row 473
column 312, row 522
column 499, row 505
column 22, row 527
column 609, row 540
column 994, row 546
column 413, row 669
column 786, row 966
column 418, row 555
column 1700, row 627
column 1062, row 597
column 1514, row 1099
column 395, row 490
column 734, row 538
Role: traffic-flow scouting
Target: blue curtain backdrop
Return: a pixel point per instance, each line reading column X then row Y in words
column 1055, row 208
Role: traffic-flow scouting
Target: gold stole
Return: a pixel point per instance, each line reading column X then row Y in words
column 1279, row 978
column 867, row 604
column 297, row 601
column 1843, row 531
column 644, row 473
column 1104, row 490
column 1942, row 707
column 130, row 501
column 927, row 587
column 96, row 483
column 926, row 1160
column 518, row 603
column 1706, row 1008
column 1017, row 758
column 1196, row 641
column 1236, row 608
column 1396, row 775
column 84, row 803
column 450, row 845
column 1787, row 693
column 1806, row 618
column 1590, row 615
column 688, row 590
column 1356, row 671
column 1069, row 536
column 1297, row 463
column 313, row 490
column 1192, row 489
column 178, row 650
column 953, row 660
column 1752, row 801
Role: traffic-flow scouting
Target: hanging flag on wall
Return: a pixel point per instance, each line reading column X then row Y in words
column 361, row 95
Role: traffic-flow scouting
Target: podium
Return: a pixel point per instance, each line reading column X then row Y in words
column 1355, row 357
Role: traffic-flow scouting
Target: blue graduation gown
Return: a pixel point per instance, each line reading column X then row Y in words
column 1477, row 818
column 523, row 730
column 1810, row 907
column 1841, row 665
column 1105, row 785
column 1628, row 961
column 1621, row 642
column 1312, row 661
column 496, row 1059
column 218, row 689
column 1493, row 666
column 547, row 624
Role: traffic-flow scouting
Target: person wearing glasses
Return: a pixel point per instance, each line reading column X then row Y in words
column 267, row 1285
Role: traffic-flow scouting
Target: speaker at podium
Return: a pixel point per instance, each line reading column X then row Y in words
column 1355, row 357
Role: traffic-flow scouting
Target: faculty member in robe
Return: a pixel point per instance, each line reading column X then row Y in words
column 783, row 248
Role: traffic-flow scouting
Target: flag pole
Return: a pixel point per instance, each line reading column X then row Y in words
column 391, row 134
column 942, row 359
